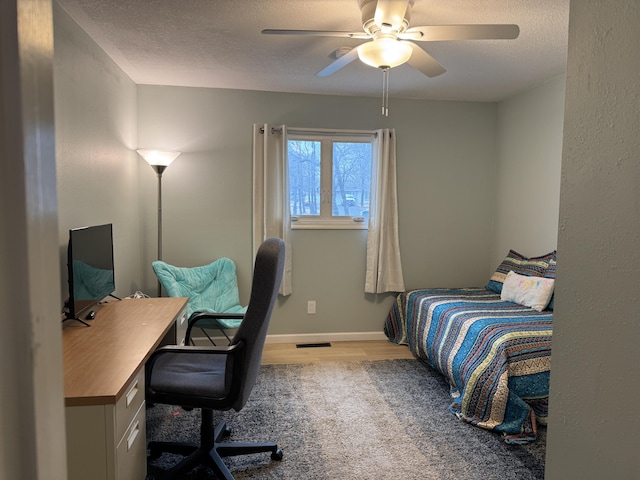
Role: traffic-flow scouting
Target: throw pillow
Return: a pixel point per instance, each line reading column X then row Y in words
column 534, row 292
column 514, row 261
column 551, row 273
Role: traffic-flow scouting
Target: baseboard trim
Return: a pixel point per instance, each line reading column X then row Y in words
column 326, row 337
column 308, row 338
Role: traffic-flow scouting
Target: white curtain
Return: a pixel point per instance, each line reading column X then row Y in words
column 384, row 266
column 271, row 214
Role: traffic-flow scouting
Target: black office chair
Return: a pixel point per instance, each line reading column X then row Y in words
column 218, row 378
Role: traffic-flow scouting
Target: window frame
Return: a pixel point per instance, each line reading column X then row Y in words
column 326, row 220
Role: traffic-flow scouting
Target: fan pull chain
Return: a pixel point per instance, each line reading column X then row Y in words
column 385, row 91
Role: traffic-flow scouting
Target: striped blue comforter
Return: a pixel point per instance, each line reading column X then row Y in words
column 496, row 355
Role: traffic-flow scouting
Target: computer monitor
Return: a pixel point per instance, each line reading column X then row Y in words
column 90, row 270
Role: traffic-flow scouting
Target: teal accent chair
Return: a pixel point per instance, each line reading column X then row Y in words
column 211, row 288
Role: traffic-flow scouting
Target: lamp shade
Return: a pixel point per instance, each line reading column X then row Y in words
column 158, row 157
column 385, row 52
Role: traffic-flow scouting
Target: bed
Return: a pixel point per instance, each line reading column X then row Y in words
column 492, row 344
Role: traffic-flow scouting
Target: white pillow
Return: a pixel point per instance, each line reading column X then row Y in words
column 534, row 292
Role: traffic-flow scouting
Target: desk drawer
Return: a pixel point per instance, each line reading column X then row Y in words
column 131, row 452
column 128, row 405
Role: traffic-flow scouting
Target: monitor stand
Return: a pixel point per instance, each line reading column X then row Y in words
column 77, row 319
column 65, row 310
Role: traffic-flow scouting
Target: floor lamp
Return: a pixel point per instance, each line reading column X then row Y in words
column 159, row 161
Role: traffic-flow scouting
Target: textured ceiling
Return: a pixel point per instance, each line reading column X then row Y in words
column 217, row 43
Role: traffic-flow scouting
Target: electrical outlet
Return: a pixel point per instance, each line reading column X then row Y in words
column 311, row 307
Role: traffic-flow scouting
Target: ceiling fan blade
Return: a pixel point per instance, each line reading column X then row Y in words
column 424, row 62
column 390, row 14
column 317, row 33
column 436, row 33
column 333, row 67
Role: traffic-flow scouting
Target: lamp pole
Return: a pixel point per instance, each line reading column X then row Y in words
column 159, row 161
column 159, row 169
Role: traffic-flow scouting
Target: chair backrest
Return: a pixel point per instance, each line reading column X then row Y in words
column 267, row 275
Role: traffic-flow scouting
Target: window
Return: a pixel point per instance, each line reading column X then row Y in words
column 329, row 178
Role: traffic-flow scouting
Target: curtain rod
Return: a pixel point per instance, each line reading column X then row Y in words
column 321, row 130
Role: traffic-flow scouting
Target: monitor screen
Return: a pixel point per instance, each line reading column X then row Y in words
column 90, row 268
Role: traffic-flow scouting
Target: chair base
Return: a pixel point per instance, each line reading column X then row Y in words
column 210, row 451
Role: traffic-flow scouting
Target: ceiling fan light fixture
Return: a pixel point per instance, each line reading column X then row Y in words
column 385, row 52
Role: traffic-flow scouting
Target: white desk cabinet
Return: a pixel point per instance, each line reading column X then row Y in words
column 109, row 441
column 104, row 386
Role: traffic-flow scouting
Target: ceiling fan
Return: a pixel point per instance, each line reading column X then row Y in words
column 386, row 24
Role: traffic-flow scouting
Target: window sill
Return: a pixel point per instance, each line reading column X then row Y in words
column 315, row 224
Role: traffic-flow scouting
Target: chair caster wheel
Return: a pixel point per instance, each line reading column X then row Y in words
column 277, row 455
column 226, row 431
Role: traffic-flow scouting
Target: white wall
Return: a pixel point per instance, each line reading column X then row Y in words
column 446, row 165
column 593, row 423
column 528, row 171
column 95, row 106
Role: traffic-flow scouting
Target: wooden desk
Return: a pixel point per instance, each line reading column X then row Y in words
column 104, row 385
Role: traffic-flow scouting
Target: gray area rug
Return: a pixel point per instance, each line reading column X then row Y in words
column 354, row 420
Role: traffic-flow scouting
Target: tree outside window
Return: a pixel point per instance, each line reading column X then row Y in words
column 329, row 177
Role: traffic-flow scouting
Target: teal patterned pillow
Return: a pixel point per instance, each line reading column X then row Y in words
column 518, row 263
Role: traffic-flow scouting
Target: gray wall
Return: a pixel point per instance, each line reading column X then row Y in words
column 475, row 179
column 446, row 176
column 454, row 160
column 31, row 379
column 528, row 171
column 594, row 379
column 95, row 114
column 593, row 392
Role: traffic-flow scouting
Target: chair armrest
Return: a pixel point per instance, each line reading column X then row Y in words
column 198, row 316
column 214, row 316
column 194, row 349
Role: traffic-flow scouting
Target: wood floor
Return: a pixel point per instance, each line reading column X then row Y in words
column 287, row 353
